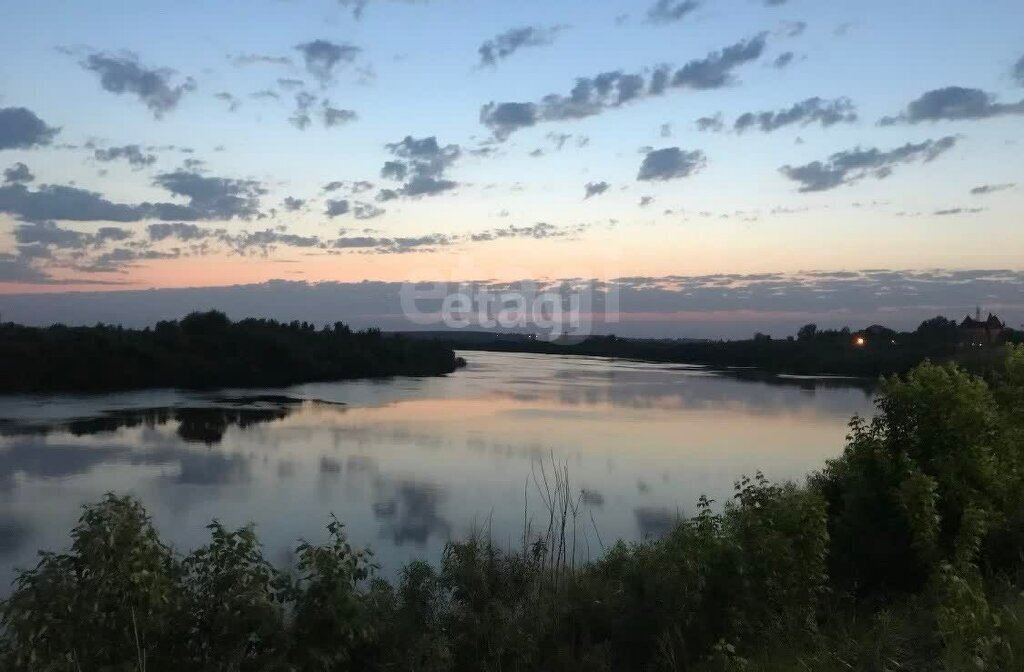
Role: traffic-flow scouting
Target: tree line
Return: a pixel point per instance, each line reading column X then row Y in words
column 869, row 353
column 206, row 350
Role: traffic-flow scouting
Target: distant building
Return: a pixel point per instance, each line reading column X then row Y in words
column 974, row 331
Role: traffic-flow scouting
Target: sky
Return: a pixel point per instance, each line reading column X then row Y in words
column 719, row 164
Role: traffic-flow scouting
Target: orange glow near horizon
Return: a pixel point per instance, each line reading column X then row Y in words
column 604, row 255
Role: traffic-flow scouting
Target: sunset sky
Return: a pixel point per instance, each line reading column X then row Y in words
column 662, row 144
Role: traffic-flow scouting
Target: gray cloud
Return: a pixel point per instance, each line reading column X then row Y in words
column 291, row 204
column 118, row 259
column 322, row 56
column 331, row 116
column 504, row 45
column 420, row 163
column 505, row 118
column 111, row 233
column 20, row 128
column 732, row 305
column 810, row 111
column 991, row 188
column 18, row 174
column 131, row 153
column 243, row 242
column 55, row 202
column 32, row 251
column 608, row 90
column 268, row 239
column 336, row 208
column 336, row 117
column 51, row 236
column 395, row 170
column 715, row 71
column 356, row 187
column 258, row 59
column 783, row 60
column 54, row 246
column 958, row 211
column 646, row 200
column 366, row 211
column 559, row 140
column 1018, row 71
column 792, row 28
column 856, row 164
column 16, row 268
column 396, row 245
column 671, row 163
column 178, row 231
column 359, row 6
column 953, row 103
column 670, row 11
column 233, row 102
column 303, row 102
column 355, row 242
column 123, row 74
column 390, row 245
column 595, row 188
column 538, row 231
column 214, row 197
column 423, row 185
column 713, row 124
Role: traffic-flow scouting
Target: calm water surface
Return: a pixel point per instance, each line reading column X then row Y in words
column 409, row 463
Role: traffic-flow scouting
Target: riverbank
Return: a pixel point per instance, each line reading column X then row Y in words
column 869, row 353
column 206, row 351
column 903, row 553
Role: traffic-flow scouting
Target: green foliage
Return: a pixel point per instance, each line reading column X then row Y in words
column 109, row 603
column 234, row 596
column 905, row 553
column 928, row 481
column 331, row 620
column 206, row 350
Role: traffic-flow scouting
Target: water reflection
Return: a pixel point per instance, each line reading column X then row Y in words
column 195, row 424
column 410, row 512
column 655, row 522
column 408, row 464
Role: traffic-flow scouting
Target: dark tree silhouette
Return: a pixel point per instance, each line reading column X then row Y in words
column 206, row 350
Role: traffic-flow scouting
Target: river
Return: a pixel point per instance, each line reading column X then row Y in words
column 409, row 463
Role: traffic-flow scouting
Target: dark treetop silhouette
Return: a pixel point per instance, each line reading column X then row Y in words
column 206, row 350
column 870, row 352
